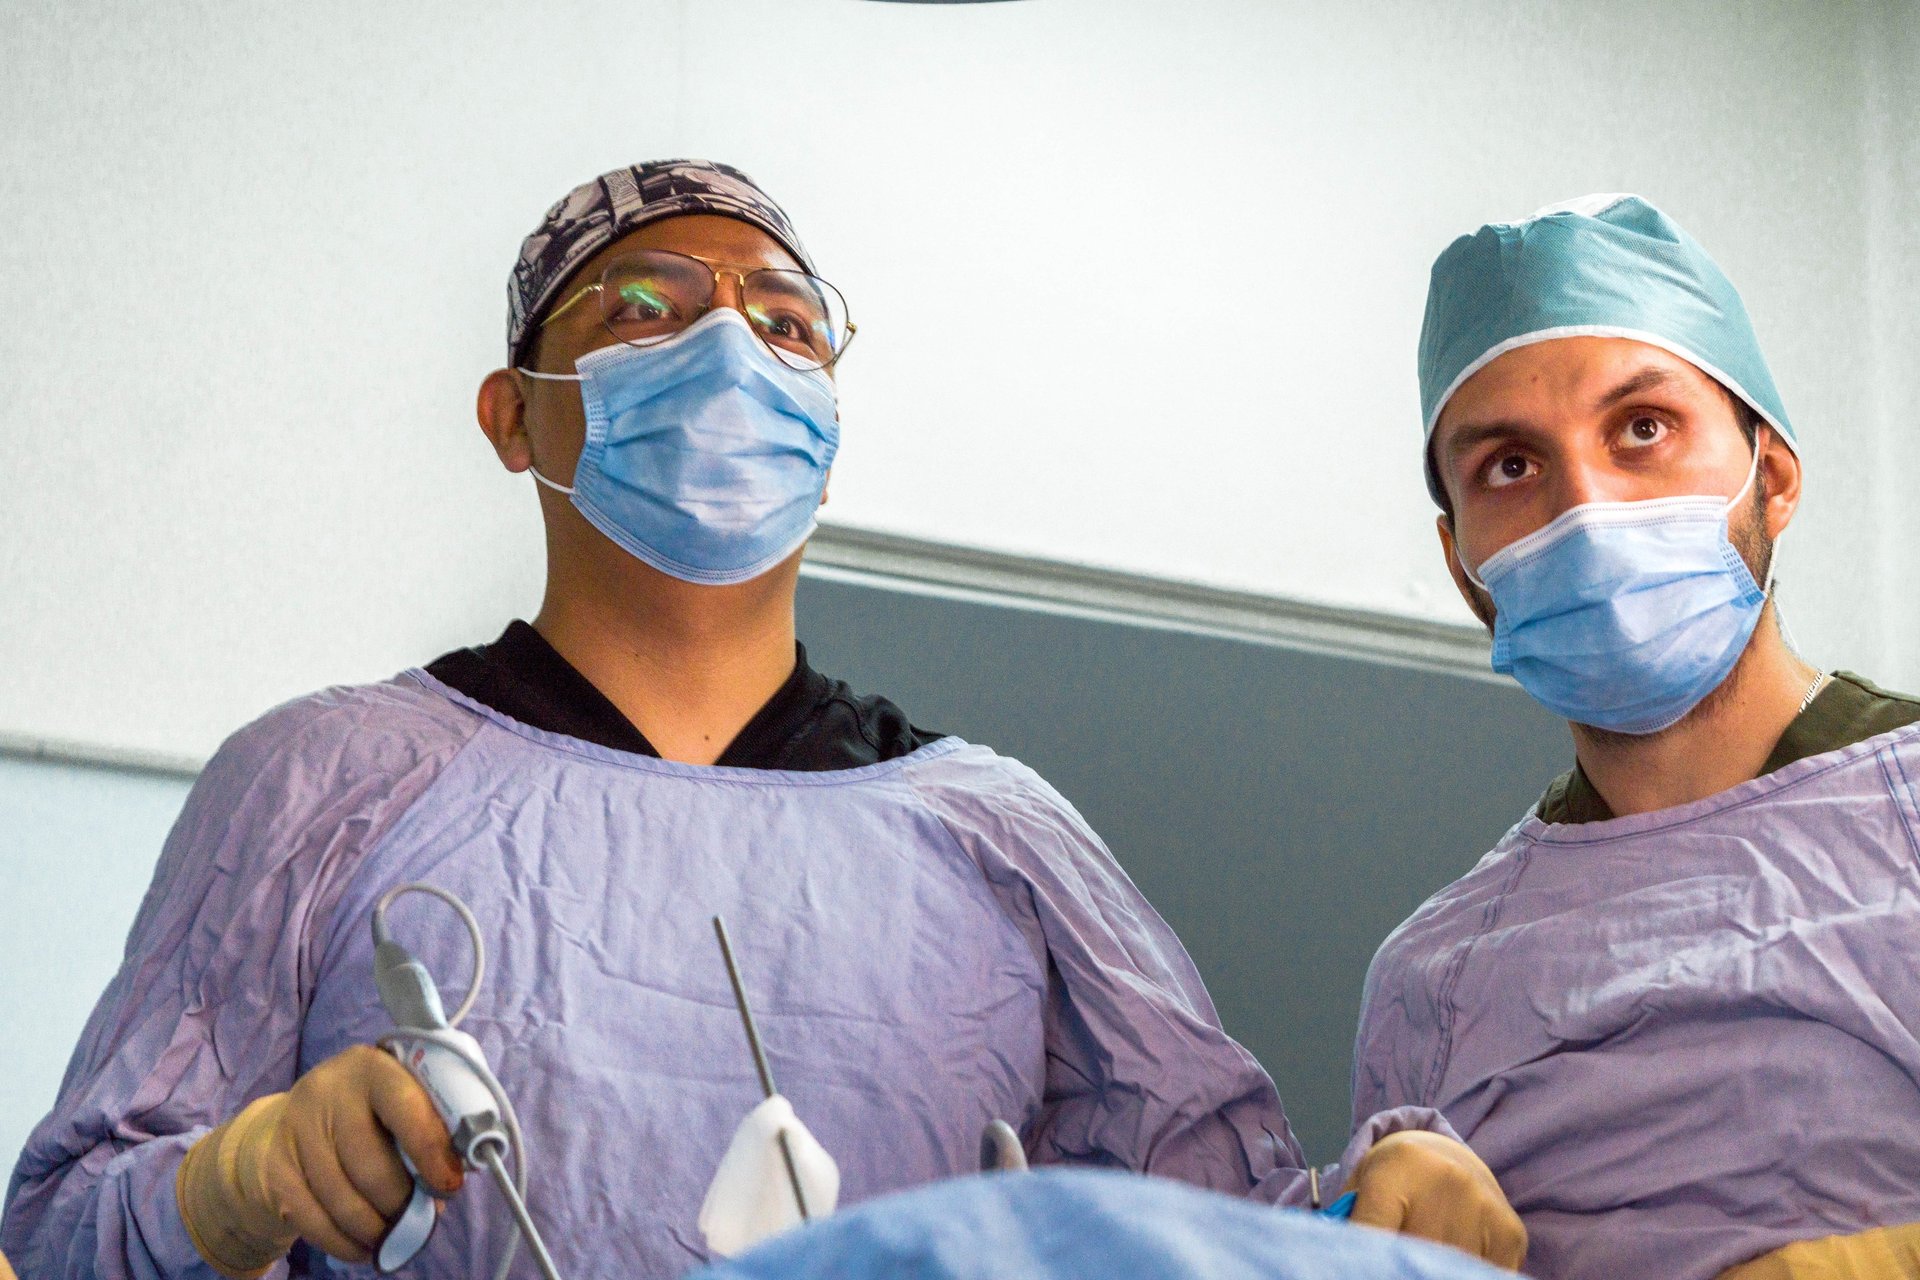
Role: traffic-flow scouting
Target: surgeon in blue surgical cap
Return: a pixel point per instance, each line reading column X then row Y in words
column 1676, row 1007
column 933, row 937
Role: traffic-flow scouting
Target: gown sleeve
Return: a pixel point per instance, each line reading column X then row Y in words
column 1140, row 1074
column 205, row 1012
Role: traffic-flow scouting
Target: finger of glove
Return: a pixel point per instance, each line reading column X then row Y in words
column 329, row 1185
column 1462, row 1206
column 1504, row 1240
column 1376, row 1205
column 372, row 1163
column 303, row 1213
column 403, row 1107
column 1464, row 1219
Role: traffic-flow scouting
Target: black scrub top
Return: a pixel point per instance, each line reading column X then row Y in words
column 811, row 723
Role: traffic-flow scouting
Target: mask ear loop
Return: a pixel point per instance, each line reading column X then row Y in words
column 1773, row 559
column 549, row 377
column 1773, row 550
column 1472, row 577
column 1772, row 588
column 1753, row 472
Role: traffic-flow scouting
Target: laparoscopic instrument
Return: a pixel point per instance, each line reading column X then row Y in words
column 1000, row 1147
column 774, row 1175
column 449, row 1065
column 759, row 1060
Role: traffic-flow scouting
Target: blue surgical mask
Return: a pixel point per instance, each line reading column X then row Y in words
column 1624, row 615
column 705, row 455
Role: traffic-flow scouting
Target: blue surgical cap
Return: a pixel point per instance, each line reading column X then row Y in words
column 1609, row 266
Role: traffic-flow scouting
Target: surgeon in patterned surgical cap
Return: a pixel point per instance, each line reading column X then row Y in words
column 931, row 937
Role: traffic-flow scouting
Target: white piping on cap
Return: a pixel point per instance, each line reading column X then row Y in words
column 1606, row 331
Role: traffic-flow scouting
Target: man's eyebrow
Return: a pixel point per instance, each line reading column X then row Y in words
column 789, row 284
column 783, row 282
column 1466, row 439
column 1644, row 381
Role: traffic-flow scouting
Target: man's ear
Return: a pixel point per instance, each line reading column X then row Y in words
column 1450, row 548
column 502, row 412
column 824, row 486
column 1780, row 470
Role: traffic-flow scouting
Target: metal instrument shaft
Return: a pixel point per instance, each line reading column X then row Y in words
column 759, row 1058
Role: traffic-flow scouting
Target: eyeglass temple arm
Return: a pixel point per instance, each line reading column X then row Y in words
column 569, row 304
column 846, row 342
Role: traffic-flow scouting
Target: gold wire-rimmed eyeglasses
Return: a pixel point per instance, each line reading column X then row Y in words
column 647, row 296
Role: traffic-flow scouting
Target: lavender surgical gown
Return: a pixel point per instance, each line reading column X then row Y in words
column 1681, row 1039
column 930, row 943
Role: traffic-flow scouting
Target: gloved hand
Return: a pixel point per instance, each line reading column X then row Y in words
column 317, row 1162
column 1426, row 1185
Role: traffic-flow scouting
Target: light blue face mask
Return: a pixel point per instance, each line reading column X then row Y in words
column 1624, row 615
column 705, row 455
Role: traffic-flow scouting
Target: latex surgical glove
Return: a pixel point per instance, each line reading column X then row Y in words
column 318, row 1162
column 1423, row 1184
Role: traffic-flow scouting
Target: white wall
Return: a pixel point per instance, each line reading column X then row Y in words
column 77, row 847
column 1891, row 58
column 1139, row 285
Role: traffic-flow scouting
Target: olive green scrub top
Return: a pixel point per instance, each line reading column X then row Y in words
column 1850, row 709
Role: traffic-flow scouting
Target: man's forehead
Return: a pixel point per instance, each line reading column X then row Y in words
column 1585, row 370
column 703, row 235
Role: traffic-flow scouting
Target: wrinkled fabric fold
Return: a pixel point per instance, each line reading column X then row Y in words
column 929, row 943
column 1681, row 1039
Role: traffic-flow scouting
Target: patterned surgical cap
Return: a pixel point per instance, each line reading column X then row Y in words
column 595, row 214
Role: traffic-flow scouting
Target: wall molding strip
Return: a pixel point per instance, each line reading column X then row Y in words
column 898, row 562
column 21, row 746
column 894, row 562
